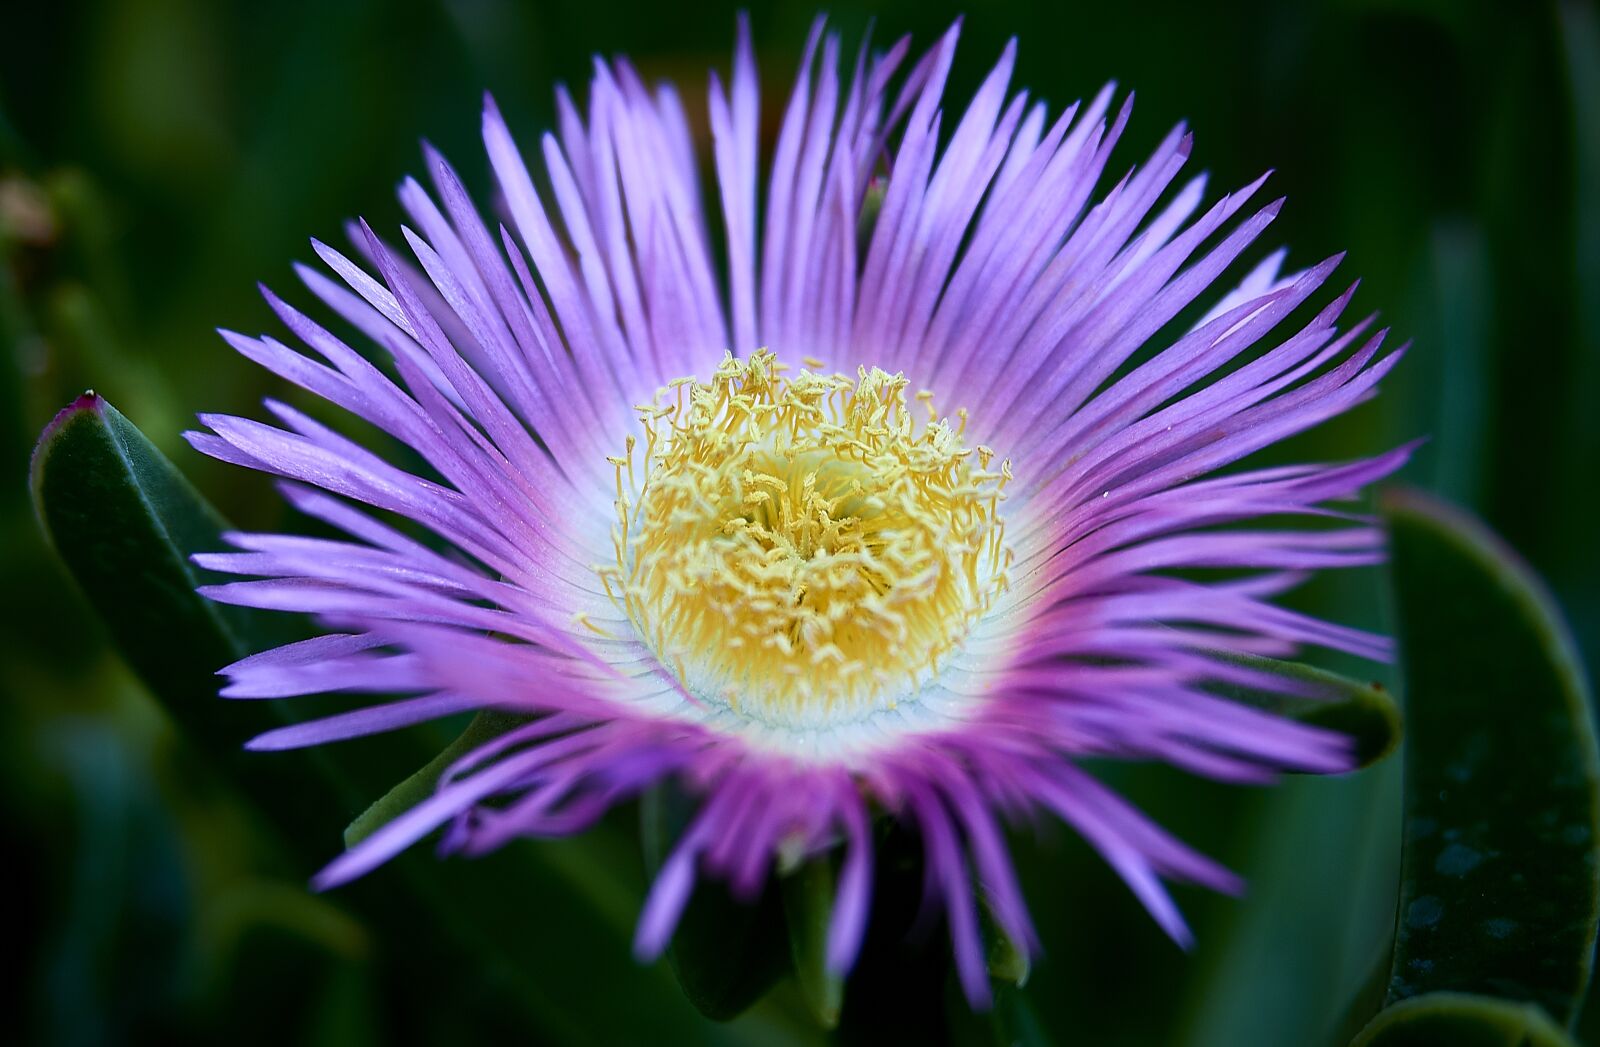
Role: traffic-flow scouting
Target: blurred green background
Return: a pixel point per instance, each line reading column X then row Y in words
column 157, row 158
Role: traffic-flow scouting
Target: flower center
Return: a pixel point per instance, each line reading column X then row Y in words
column 800, row 550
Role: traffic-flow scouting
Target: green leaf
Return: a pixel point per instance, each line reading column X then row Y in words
column 124, row 521
column 808, row 894
column 1366, row 712
column 1499, row 877
column 484, row 727
column 726, row 953
column 1462, row 1020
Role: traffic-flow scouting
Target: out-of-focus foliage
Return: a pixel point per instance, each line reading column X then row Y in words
column 159, row 156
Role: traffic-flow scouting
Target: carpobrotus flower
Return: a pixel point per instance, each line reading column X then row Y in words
column 902, row 514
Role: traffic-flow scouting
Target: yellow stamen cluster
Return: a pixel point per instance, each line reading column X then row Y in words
column 799, row 549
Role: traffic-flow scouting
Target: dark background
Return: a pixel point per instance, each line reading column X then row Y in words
column 157, row 158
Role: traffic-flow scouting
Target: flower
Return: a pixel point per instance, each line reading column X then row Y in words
column 920, row 505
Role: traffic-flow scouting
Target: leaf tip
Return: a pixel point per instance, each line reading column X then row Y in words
column 88, row 401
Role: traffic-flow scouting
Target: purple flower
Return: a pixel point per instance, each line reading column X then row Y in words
column 889, row 507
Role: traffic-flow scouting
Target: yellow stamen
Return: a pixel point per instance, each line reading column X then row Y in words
column 800, row 549
column 581, row 618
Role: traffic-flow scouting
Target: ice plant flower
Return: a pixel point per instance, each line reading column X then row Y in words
column 912, row 497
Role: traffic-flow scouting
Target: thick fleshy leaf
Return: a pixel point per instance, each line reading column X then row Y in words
column 725, row 952
column 1462, row 1020
column 808, row 896
column 110, row 501
column 1366, row 712
column 1499, row 877
column 125, row 521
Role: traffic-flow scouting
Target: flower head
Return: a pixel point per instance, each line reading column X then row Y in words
column 918, row 505
column 804, row 552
